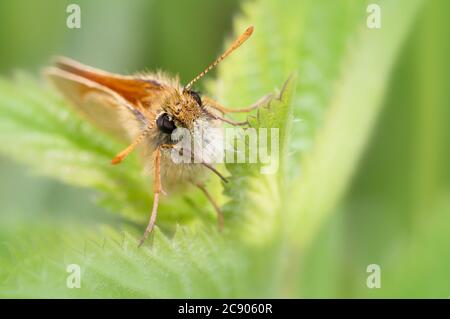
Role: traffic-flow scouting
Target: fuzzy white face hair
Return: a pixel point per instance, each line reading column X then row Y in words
column 203, row 144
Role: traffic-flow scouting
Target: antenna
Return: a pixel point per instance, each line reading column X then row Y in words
column 236, row 44
column 119, row 157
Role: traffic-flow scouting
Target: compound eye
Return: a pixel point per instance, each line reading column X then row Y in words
column 165, row 123
column 196, row 97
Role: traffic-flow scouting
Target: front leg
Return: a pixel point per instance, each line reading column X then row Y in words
column 224, row 110
column 156, row 192
column 220, row 118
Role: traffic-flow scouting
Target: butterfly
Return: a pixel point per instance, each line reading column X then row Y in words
column 148, row 109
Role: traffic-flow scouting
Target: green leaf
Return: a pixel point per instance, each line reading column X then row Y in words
column 255, row 188
column 354, row 106
column 310, row 37
column 194, row 264
column 305, row 37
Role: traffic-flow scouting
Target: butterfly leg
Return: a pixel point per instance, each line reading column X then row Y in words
column 220, row 220
column 156, row 192
column 217, row 117
column 224, row 110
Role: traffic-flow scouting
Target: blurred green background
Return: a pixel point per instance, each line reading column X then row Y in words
column 396, row 210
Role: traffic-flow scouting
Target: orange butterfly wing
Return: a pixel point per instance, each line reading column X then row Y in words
column 111, row 102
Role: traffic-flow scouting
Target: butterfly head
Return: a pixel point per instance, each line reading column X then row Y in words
column 180, row 110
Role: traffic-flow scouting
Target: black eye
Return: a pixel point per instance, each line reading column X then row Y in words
column 196, row 97
column 165, row 124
